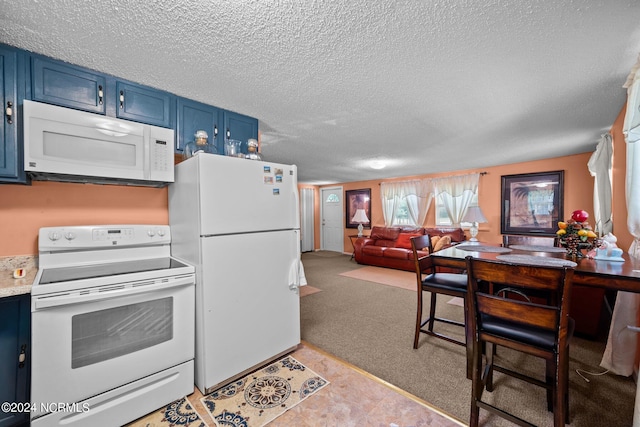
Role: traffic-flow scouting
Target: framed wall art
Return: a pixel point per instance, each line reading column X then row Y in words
column 532, row 203
column 358, row 208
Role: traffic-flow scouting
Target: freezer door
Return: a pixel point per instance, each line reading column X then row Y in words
column 239, row 195
column 248, row 312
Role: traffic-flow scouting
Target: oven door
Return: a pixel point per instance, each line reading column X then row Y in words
column 81, row 349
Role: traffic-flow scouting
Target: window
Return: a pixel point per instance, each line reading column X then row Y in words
column 441, row 213
column 401, row 216
column 333, row 198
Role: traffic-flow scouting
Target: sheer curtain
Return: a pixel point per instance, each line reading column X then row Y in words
column 307, row 204
column 619, row 354
column 416, row 193
column 600, row 165
column 457, row 192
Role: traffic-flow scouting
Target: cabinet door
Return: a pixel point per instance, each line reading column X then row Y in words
column 15, row 354
column 193, row 116
column 142, row 104
column 11, row 169
column 240, row 127
column 67, row 85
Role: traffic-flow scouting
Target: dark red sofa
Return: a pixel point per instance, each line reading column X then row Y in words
column 391, row 246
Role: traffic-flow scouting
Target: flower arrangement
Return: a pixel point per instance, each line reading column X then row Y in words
column 576, row 234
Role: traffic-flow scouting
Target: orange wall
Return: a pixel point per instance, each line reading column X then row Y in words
column 578, row 192
column 26, row 208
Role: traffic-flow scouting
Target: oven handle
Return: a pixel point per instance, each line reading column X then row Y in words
column 67, row 299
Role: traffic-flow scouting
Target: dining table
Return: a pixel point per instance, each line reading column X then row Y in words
column 599, row 273
column 617, row 274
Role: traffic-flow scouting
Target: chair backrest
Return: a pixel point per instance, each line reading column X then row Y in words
column 421, row 260
column 511, row 239
column 485, row 277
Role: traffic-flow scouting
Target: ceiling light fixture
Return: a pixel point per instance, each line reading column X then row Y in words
column 377, row 164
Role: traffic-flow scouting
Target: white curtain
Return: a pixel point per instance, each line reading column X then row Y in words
column 419, row 199
column 307, row 219
column 389, row 195
column 456, row 193
column 620, row 352
column 600, row 167
column 416, row 193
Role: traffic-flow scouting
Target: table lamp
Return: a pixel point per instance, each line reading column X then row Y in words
column 360, row 217
column 474, row 215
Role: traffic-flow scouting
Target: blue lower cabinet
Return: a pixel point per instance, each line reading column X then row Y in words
column 15, row 359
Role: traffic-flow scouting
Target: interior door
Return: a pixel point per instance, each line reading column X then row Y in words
column 331, row 213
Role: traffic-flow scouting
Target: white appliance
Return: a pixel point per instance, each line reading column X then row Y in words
column 63, row 144
column 237, row 221
column 112, row 325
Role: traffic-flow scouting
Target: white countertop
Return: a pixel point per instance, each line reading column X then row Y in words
column 10, row 286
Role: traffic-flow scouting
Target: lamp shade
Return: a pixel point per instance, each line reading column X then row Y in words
column 360, row 216
column 474, row 214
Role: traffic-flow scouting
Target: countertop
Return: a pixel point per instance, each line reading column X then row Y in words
column 10, row 286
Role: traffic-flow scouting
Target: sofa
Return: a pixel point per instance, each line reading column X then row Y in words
column 391, row 246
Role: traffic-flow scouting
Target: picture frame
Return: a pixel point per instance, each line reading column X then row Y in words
column 358, row 203
column 532, row 203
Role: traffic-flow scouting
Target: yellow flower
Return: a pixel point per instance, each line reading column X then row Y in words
column 561, row 232
column 562, row 225
column 582, row 232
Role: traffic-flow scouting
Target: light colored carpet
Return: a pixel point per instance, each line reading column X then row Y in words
column 371, row 326
column 390, row 277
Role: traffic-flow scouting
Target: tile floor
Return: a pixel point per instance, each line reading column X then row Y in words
column 354, row 398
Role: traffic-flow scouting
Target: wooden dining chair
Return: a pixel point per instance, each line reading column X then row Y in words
column 508, row 319
column 428, row 280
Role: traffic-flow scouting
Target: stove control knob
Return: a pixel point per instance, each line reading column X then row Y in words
column 151, row 233
column 54, row 235
column 69, row 235
column 160, row 232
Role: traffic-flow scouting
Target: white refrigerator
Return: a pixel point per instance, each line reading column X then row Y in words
column 237, row 221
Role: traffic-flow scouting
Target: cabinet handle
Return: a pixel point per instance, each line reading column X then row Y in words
column 9, row 112
column 22, row 356
column 100, row 95
column 228, row 134
column 215, row 131
column 121, row 99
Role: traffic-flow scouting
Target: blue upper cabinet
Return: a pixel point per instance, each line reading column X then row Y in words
column 141, row 104
column 67, row 85
column 194, row 116
column 240, row 127
column 11, row 96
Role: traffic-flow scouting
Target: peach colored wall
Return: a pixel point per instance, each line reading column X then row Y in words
column 619, row 205
column 26, row 208
column 578, row 192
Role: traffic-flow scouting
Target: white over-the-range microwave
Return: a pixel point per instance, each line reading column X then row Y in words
column 63, row 144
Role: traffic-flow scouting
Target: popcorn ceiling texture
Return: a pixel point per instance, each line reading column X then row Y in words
column 426, row 86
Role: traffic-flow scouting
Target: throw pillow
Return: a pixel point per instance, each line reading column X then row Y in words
column 443, row 242
column 434, row 241
column 404, row 240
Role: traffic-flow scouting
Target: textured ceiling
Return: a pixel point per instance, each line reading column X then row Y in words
column 423, row 86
